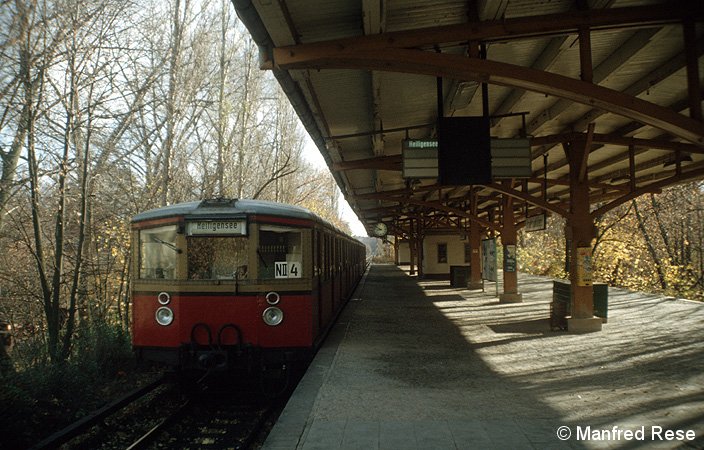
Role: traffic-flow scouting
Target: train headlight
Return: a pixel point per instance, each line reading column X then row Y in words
column 273, row 316
column 273, row 298
column 164, row 298
column 164, row 316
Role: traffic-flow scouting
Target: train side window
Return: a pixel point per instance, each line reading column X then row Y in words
column 328, row 256
column 158, row 253
column 318, row 268
column 217, row 258
column 280, row 253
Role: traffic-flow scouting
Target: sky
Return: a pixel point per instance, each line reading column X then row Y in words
column 312, row 154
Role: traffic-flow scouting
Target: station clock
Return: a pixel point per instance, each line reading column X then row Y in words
column 380, row 229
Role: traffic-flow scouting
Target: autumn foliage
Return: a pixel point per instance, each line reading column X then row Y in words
column 654, row 244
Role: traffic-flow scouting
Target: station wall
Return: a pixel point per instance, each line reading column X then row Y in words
column 440, row 251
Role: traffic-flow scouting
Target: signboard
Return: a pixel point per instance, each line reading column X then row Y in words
column 509, row 258
column 414, row 144
column 420, row 158
column 584, row 266
column 489, row 271
column 510, row 158
column 464, row 151
column 536, row 223
column 287, row 269
column 216, row 227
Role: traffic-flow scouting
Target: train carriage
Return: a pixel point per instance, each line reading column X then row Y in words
column 237, row 283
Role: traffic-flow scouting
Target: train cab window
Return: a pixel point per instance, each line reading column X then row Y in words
column 158, row 253
column 217, row 258
column 279, row 253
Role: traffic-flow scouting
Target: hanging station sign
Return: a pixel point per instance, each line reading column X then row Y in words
column 420, row 158
column 510, row 158
column 536, row 222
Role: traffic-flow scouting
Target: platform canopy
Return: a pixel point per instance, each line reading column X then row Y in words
column 608, row 92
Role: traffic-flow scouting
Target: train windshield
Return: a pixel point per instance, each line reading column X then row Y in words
column 279, row 252
column 158, row 253
column 217, row 258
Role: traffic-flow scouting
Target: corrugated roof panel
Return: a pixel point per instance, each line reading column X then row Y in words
column 414, row 14
column 522, row 53
column 668, row 92
column 526, row 8
column 573, row 113
column 320, row 20
column 344, row 98
column 419, row 99
column 567, row 62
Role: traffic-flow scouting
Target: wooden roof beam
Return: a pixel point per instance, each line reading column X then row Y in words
column 674, row 179
column 513, row 28
column 392, row 162
column 601, row 138
column 462, row 68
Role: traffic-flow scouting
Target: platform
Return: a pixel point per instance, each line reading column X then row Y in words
column 419, row 365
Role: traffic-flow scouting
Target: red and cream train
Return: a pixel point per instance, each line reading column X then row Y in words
column 237, row 283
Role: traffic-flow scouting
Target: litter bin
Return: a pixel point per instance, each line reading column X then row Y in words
column 459, row 276
column 561, row 305
column 601, row 301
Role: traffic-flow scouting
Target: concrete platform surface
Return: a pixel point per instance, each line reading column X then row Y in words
column 419, row 365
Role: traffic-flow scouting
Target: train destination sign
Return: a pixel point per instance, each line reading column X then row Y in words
column 216, row 227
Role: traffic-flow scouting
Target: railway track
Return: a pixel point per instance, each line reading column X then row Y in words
column 213, row 422
column 84, row 425
column 211, row 414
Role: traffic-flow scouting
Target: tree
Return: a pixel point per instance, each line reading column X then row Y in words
column 117, row 107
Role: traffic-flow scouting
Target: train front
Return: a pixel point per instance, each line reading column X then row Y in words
column 222, row 285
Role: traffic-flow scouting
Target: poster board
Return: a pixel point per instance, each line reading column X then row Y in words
column 584, row 266
column 509, row 258
column 489, row 271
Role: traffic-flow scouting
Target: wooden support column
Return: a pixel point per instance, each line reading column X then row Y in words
column 585, row 54
column 581, row 234
column 508, row 240
column 412, row 247
column 475, row 242
column 419, row 243
column 693, row 85
column 396, row 250
column 475, row 269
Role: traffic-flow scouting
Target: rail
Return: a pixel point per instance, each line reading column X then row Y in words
column 64, row 435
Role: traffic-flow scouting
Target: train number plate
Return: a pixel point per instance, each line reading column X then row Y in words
column 287, row 269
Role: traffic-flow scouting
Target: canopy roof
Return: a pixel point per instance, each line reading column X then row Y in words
column 621, row 79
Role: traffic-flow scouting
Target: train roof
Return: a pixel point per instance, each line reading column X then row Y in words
column 227, row 208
